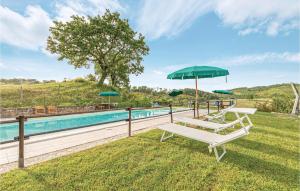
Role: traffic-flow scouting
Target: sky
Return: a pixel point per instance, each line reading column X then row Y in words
column 257, row 41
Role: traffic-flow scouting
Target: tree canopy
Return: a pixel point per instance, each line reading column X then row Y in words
column 105, row 42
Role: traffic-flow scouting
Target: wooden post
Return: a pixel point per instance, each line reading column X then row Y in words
column 194, row 109
column 295, row 109
column 218, row 105
column 197, row 108
column 129, row 121
column 21, row 119
column 171, row 113
column 207, row 107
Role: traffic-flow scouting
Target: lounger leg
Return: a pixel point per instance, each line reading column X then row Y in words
column 238, row 117
column 164, row 138
column 209, row 149
column 249, row 121
column 217, row 155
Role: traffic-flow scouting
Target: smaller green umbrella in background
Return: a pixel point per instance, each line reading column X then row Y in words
column 223, row 92
column 109, row 94
column 175, row 93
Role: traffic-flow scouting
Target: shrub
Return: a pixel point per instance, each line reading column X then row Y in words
column 282, row 103
column 265, row 106
column 80, row 80
column 91, row 78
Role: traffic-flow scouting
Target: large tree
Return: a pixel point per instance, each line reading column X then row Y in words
column 107, row 42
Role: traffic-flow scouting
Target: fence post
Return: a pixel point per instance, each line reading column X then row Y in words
column 171, row 113
column 194, row 109
column 129, row 121
column 198, row 109
column 207, row 107
column 21, row 119
column 218, row 105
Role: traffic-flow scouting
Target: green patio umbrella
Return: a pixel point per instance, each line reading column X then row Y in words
column 196, row 72
column 175, row 93
column 109, row 94
column 223, row 92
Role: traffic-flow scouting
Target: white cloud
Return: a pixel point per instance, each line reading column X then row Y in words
column 29, row 31
column 248, row 59
column 167, row 18
column 269, row 57
column 270, row 16
column 68, row 8
column 158, row 72
column 2, row 65
column 281, row 67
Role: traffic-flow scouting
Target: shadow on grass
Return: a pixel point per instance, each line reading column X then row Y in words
column 39, row 177
column 277, row 134
column 270, row 170
column 266, row 148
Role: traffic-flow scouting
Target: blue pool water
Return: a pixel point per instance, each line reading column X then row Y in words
column 47, row 124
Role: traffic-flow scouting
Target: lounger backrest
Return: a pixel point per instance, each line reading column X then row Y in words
column 234, row 135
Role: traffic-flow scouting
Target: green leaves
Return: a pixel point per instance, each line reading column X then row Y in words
column 107, row 42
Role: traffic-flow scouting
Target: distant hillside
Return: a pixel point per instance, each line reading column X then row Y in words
column 265, row 91
column 81, row 92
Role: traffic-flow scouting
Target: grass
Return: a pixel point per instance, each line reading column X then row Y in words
column 250, row 102
column 267, row 159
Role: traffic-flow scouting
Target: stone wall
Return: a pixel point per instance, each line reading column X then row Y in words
column 13, row 112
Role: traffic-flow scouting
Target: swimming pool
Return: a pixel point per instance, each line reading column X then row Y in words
column 49, row 124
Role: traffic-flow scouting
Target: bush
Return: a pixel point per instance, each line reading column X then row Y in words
column 265, row 106
column 80, row 80
column 91, row 78
column 282, row 104
column 279, row 103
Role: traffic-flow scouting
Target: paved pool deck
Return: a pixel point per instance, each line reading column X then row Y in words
column 48, row 146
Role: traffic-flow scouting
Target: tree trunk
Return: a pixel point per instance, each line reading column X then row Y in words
column 102, row 78
column 113, row 80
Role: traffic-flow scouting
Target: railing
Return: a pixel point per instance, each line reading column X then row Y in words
column 21, row 122
column 22, row 119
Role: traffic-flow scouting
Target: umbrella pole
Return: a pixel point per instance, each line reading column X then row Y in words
column 109, row 102
column 196, row 101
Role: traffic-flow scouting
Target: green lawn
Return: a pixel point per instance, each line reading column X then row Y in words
column 267, row 159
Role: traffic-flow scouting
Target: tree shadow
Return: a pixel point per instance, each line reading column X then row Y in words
column 270, row 170
column 266, row 148
column 40, row 178
column 277, row 134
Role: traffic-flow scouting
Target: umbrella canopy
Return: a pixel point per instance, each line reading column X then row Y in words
column 223, row 92
column 108, row 94
column 105, row 94
column 175, row 93
column 196, row 72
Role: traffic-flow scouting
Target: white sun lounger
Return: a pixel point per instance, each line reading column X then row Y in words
column 220, row 116
column 244, row 111
column 213, row 139
column 207, row 124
